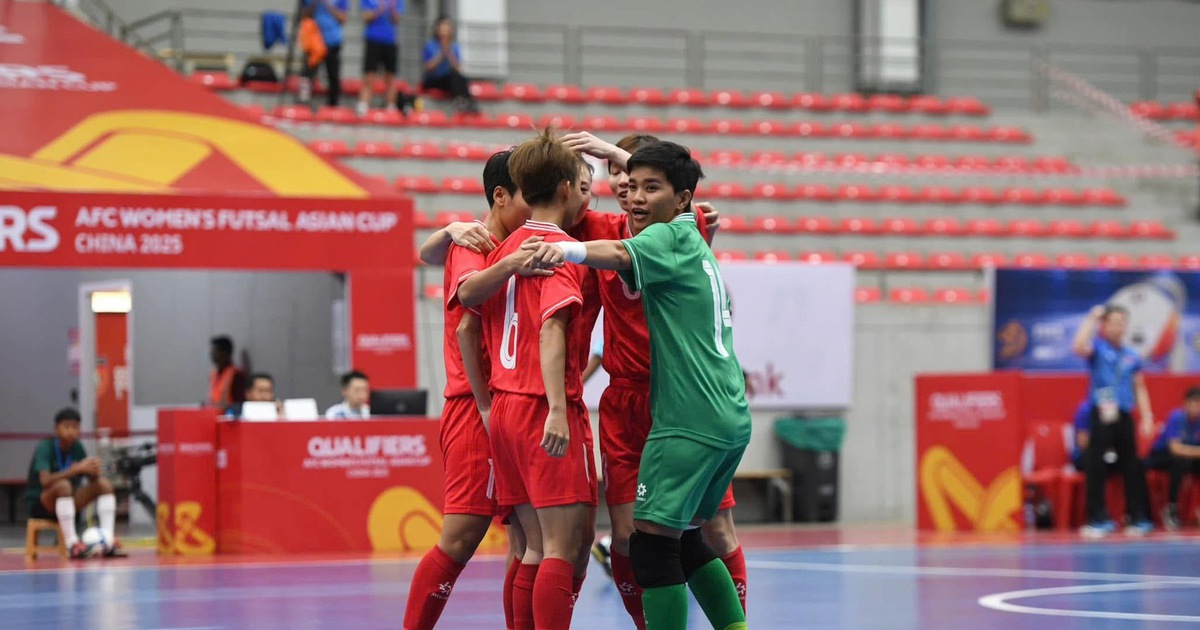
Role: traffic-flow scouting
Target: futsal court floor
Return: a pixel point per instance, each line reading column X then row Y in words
column 856, row 578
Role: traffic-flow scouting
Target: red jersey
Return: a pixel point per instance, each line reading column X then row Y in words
column 626, row 334
column 512, row 320
column 461, row 263
column 594, row 226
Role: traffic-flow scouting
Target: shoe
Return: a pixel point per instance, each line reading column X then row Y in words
column 115, row 550
column 601, row 552
column 362, row 109
column 1170, row 517
column 1098, row 529
column 82, row 551
column 1139, row 528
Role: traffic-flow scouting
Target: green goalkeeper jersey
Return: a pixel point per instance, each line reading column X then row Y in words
column 697, row 388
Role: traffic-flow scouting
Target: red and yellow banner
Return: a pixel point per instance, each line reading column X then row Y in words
column 187, row 477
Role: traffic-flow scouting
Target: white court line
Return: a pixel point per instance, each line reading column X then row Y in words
column 999, row 601
column 880, row 569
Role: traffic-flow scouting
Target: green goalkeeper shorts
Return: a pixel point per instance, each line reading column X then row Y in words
column 681, row 480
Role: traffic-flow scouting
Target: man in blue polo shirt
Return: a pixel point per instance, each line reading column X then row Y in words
column 329, row 16
column 381, row 53
column 1177, row 450
column 1115, row 385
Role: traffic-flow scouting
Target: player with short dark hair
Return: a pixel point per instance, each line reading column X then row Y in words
column 701, row 422
column 56, row 489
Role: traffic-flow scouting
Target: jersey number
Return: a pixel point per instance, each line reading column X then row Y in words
column 722, row 318
column 508, row 344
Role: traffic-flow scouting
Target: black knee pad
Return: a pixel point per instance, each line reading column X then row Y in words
column 655, row 560
column 694, row 552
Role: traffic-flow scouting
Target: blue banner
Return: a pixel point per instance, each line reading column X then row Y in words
column 1036, row 313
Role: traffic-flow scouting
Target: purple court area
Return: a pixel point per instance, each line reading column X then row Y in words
column 1055, row 583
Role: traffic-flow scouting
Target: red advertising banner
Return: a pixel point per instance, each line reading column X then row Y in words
column 331, row 486
column 382, row 325
column 187, row 476
column 969, row 439
column 112, row 372
column 91, row 230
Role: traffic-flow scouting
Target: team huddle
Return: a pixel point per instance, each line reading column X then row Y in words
column 523, row 291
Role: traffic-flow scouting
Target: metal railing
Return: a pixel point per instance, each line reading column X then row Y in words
column 1000, row 73
column 104, row 18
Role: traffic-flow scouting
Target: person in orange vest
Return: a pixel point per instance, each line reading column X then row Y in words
column 226, row 383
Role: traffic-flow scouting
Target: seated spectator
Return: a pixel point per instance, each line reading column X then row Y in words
column 226, row 383
column 356, row 392
column 260, row 389
column 442, row 64
column 1177, row 450
column 57, row 491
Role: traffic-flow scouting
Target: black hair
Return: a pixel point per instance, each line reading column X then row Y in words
column 350, row 376
column 1113, row 309
column 259, row 375
column 437, row 23
column 223, row 343
column 1192, row 393
column 66, row 414
column 495, row 173
column 674, row 160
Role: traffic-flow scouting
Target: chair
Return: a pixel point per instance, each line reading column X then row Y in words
column 815, row 225
column 867, row 295
column 35, row 526
column 912, row 295
column 1117, row 261
column 729, row 255
column 605, row 95
column 526, row 92
column 772, row 191
column 1151, row 230
column 422, row 151
column 988, row 259
column 772, row 225
column 900, row 226
column 645, row 124
column 812, row 102
column 690, row 98
column 955, row 296
column 771, row 100
column 570, row 94
column 817, row 258
column 730, row 98
column 858, row 225
column 486, row 92
column 1031, row 261
column 557, row 121
column 904, row 261
column 648, row 96
column 1156, row 261
column 1073, row 261
column 218, row 81
column 863, row 260
column 772, row 256
column 1050, row 474
column 946, row 226
column 810, row 130
column 990, row 228
column 1027, row 228
column 337, row 115
column 376, row 150
column 330, row 148
column 948, row 261
column 967, row 106
column 897, row 194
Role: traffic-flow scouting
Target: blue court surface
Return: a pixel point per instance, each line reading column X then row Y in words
column 1059, row 584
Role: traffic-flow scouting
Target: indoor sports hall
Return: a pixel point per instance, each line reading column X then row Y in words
column 953, row 245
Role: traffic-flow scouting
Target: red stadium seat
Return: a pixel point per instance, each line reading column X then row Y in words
column 867, row 295
column 890, row 103
column 911, row 295
column 337, row 115
column 810, row 130
column 855, row 192
column 769, row 158
column 430, row 118
column 379, row 181
column 422, row 150
column 384, row 117
column 1063, row 197
column 735, row 224
column 848, row 130
column 255, row 112
column 863, row 260
column 955, row 296
column 298, row 113
column 858, row 226
column 263, row 87
column 521, row 122
column 939, row 195
column 930, row 133
column 1031, row 261
column 900, row 227
column 849, row 102
column 850, row 160
column 770, row 128
column 993, row 259
column 607, row 95
column 948, row 261
column 1116, row 261
column 726, row 157
column 930, row 105
column 1149, row 109
column 1014, row 135
column 772, row 256
column 813, row 102
column 1190, row 261
column 486, row 91
column 973, row 163
column 473, row 153
column 462, row 185
column 893, row 160
column 1023, row 196
column 686, row 125
column 419, row 184
column 810, row 160
column 1110, row 229
column 1053, row 164
column 1183, row 111
column 774, row 225
column 376, row 150
column 689, row 98
column 728, row 190
column 814, row 192
column 352, row 86
column 897, row 194
column 730, row 98
column 981, row 195
column 1027, row 228
column 946, row 226
column 217, row 81
column 442, row 219
column 526, row 92
column 330, row 148
column 990, row 228
column 570, row 94
column 1102, row 197
column 771, row 100
column 1156, row 261
column 966, row 133
column 727, row 126
column 904, row 260
column 434, row 292
column 421, row 221
column 729, row 255
column 888, row 131
column 1068, row 229
column 648, row 96
column 557, row 121
column 779, row 192
column 601, row 123
column 815, row 225
column 817, row 258
column 967, row 106
column 1073, row 261
column 1012, row 164
column 1151, row 230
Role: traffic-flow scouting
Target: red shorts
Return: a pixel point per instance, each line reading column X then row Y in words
column 467, row 459
column 525, row 473
column 624, row 425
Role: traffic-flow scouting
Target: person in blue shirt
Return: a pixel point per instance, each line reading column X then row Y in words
column 330, row 15
column 1082, row 425
column 442, row 65
column 1177, row 450
column 1115, row 385
column 381, row 52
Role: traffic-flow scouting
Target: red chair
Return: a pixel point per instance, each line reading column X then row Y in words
column 1022, row 196
column 1012, row 135
column 728, row 190
column 848, row 130
column 1116, row 261
column 730, row 98
column 893, row 160
column 601, row 123
column 1149, row 109
column 421, row 221
column 993, row 259
column 434, row 292
column 955, row 296
column 1051, row 164
column 445, row 218
column 727, row 126
column 422, row 151
column 990, row 228
column 726, row 157
column 263, row 87
column 525, row 92
column 945, row 226
column 557, row 121
column 645, row 124
column 810, row 130
column 899, row 226
column 849, row 102
column 810, row 160
column 430, row 118
column 889, row 103
column 911, row 295
column 1050, row 474
column 948, row 261
column 861, row 226
column 1073, row 261
column 1063, row 197
column 1031, row 261
column 216, row 81
column 420, row 184
column 929, row 105
column 939, row 195
column 254, row 112
column 330, row 148
column 1102, row 197
column 298, row 113
column 967, row 106
column 648, row 96
column 769, row 158
column 1151, row 230
column 473, row 153
column 966, row 133
column 735, row 224
column 1068, row 229
column 376, row 150
column 904, row 261
column 1156, row 261
column 815, row 225
column 689, row 98
column 867, row 295
column 486, row 91
column 981, row 195
column 814, row 192
column 778, row 192
column 462, row 186
column 851, row 160
column 337, row 115
column 771, row 100
column 687, row 125
column 1110, row 229
column 1189, row 261
column 929, row 133
column 817, row 258
column 385, row 117
column 813, row 102
column 772, row 225
column 863, row 260
column 606, row 95
column 570, row 94
column 1183, row 111
column 855, row 192
column 772, row 256
column 888, row 131
column 770, row 128
column 729, row 255
column 513, row 121
column 897, row 194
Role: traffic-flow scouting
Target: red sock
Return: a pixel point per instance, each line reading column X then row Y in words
column 430, row 589
column 577, row 585
column 627, row 587
column 509, row 577
column 736, row 563
column 523, row 596
column 553, row 594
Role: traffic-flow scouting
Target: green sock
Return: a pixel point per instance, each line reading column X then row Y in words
column 717, row 595
column 666, row 607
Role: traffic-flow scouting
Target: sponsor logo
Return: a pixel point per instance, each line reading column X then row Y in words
column 383, row 344
column 368, row 446
column 49, row 78
column 945, row 483
column 28, row 230
column 7, row 37
column 179, row 530
column 195, row 448
column 966, row 410
column 641, row 492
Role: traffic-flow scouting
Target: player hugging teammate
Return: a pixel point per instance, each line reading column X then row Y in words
column 673, row 395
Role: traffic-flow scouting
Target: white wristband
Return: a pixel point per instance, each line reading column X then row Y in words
column 573, row 252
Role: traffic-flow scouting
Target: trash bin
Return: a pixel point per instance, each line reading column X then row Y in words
column 810, row 450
